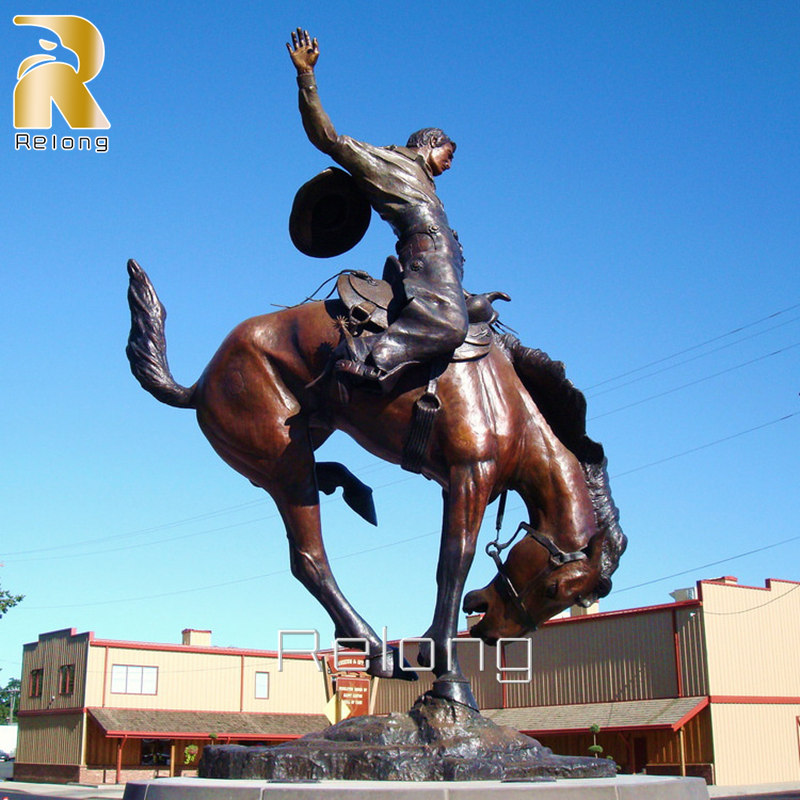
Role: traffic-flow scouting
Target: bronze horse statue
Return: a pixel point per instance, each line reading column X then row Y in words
column 508, row 421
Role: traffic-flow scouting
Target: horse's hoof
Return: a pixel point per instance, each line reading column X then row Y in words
column 359, row 498
column 456, row 691
column 391, row 668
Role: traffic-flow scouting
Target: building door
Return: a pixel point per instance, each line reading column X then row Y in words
column 639, row 753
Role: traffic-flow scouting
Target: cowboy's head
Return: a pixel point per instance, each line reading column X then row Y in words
column 435, row 146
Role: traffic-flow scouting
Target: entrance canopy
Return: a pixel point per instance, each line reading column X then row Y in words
column 150, row 724
column 669, row 713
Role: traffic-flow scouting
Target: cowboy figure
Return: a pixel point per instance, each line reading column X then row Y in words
column 398, row 183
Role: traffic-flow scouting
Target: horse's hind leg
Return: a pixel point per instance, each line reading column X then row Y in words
column 254, row 421
column 293, row 488
column 298, row 506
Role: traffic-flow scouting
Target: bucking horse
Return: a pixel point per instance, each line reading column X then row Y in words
column 507, row 421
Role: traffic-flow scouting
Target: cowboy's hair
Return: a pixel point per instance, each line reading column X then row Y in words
column 430, row 137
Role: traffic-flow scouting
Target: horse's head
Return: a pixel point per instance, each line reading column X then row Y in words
column 536, row 582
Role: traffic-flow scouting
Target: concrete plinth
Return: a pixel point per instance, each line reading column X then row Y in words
column 623, row 787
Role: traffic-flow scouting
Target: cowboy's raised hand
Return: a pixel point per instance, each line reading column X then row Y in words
column 304, row 51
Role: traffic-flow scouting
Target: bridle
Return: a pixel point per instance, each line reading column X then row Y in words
column 556, row 558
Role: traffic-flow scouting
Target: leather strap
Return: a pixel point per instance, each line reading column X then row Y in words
column 425, row 410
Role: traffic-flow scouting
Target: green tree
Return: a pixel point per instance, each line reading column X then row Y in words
column 8, row 600
column 9, row 701
column 595, row 748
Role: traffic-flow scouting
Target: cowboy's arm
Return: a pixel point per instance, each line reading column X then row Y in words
column 304, row 53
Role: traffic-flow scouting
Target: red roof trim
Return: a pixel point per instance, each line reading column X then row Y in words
column 71, row 632
column 623, row 612
column 207, row 649
column 50, row 712
column 770, row 581
column 664, row 726
column 767, row 587
column 626, row 612
column 690, row 714
column 754, row 700
column 251, row 737
column 202, row 711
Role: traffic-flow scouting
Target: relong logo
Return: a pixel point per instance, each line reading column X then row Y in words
column 44, row 81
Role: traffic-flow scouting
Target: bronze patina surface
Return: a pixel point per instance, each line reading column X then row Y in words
column 434, row 741
column 499, row 417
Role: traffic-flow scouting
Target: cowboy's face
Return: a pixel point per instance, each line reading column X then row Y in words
column 440, row 158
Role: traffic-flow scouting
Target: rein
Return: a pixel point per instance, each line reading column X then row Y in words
column 557, row 557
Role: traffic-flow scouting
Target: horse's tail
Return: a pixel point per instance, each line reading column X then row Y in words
column 147, row 345
column 564, row 408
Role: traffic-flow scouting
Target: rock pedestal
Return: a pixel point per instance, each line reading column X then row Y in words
column 437, row 740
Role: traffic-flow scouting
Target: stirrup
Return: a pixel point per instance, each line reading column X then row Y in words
column 358, row 369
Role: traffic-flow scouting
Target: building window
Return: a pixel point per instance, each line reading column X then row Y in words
column 262, row 685
column 156, row 752
column 35, row 684
column 66, row 679
column 130, row 679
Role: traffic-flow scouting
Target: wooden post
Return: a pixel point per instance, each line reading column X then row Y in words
column 373, row 695
column 172, row 753
column 118, row 778
column 682, row 745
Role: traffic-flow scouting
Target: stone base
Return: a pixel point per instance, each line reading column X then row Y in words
column 437, row 740
column 623, row 787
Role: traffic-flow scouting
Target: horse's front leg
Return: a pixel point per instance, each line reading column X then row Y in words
column 464, row 505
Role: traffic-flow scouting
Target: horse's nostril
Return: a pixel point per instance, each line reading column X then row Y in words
column 475, row 602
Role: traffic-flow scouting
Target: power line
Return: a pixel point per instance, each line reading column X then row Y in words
column 693, row 358
column 693, row 347
column 138, row 545
column 436, row 533
column 381, row 465
column 709, row 564
column 190, row 535
column 695, row 382
column 752, row 608
column 707, row 445
column 140, row 532
column 284, row 571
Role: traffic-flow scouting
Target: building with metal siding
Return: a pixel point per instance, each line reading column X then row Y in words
column 95, row 710
column 706, row 685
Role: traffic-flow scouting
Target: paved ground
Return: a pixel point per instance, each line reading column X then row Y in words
column 57, row 791
column 773, row 791
column 755, row 792
column 9, row 790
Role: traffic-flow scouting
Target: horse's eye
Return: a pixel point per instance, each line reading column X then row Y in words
column 551, row 591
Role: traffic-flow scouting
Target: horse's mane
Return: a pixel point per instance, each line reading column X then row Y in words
column 564, row 408
column 561, row 404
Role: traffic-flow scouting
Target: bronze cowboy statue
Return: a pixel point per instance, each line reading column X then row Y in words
column 398, row 183
column 473, row 410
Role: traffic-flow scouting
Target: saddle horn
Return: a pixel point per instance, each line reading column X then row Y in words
column 479, row 306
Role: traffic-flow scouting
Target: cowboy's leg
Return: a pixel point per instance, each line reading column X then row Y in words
column 431, row 325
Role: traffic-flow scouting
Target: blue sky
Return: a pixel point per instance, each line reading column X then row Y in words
column 629, row 172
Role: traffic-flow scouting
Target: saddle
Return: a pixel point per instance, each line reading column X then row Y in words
column 370, row 305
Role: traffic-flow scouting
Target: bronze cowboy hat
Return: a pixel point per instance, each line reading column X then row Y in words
column 330, row 215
